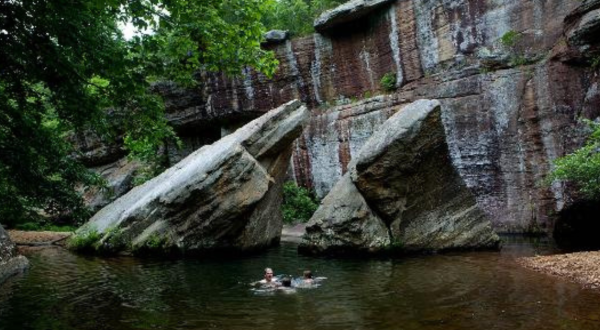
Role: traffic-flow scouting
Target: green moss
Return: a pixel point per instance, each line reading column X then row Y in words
column 510, row 38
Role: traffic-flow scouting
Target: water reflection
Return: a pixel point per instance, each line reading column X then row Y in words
column 485, row 290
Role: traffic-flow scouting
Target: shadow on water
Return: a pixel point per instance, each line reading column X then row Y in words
column 485, row 290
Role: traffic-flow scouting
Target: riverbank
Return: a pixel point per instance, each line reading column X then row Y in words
column 580, row 267
column 38, row 238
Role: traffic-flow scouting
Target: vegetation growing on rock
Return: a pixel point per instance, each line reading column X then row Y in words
column 388, row 81
column 583, row 166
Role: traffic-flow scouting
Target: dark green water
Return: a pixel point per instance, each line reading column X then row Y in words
column 486, row 290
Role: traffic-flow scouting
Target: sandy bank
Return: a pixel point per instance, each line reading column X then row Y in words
column 580, row 267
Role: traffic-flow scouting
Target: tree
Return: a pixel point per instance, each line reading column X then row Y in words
column 583, row 166
column 65, row 62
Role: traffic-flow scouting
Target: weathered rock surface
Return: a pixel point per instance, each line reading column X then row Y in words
column 582, row 26
column 225, row 196
column 401, row 190
column 10, row 262
column 344, row 223
column 347, row 12
column 276, row 36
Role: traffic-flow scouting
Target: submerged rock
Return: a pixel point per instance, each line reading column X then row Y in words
column 10, row 262
column 225, row 196
column 401, row 192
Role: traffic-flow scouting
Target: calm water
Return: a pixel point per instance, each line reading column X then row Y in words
column 458, row 291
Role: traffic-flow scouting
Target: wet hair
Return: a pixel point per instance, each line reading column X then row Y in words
column 307, row 274
column 286, row 281
column 268, row 270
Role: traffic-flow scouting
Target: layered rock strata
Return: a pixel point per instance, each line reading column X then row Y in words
column 510, row 105
column 224, row 196
column 401, row 191
column 11, row 263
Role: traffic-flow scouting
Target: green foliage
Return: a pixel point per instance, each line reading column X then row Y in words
column 296, row 16
column 64, row 63
column 510, row 38
column 388, row 81
column 35, row 226
column 298, row 204
column 583, row 166
column 84, row 242
column 155, row 244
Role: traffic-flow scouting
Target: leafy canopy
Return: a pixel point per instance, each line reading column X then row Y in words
column 583, row 166
column 65, row 62
column 296, row 16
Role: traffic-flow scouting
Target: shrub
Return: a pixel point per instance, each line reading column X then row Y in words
column 583, row 166
column 388, row 81
column 298, row 204
column 85, row 242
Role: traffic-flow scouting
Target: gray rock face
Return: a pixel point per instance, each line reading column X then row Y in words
column 276, row 36
column 402, row 191
column 10, row 262
column 223, row 196
column 347, row 12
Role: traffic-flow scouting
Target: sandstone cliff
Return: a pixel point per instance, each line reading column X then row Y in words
column 509, row 108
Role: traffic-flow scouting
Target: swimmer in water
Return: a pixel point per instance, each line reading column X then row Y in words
column 307, row 277
column 268, row 280
column 286, row 285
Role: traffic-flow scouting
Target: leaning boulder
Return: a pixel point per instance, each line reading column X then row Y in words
column 225, row 196
column 11, row 263
column 401, row 192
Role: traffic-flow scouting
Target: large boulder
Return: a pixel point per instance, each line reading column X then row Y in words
column 10, row 262
column 401, row 192
column 225, row 196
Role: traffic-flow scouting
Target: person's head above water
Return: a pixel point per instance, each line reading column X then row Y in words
column 268, row 274
column 307, row 274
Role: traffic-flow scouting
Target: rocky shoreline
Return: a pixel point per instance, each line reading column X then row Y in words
column 579, row 267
